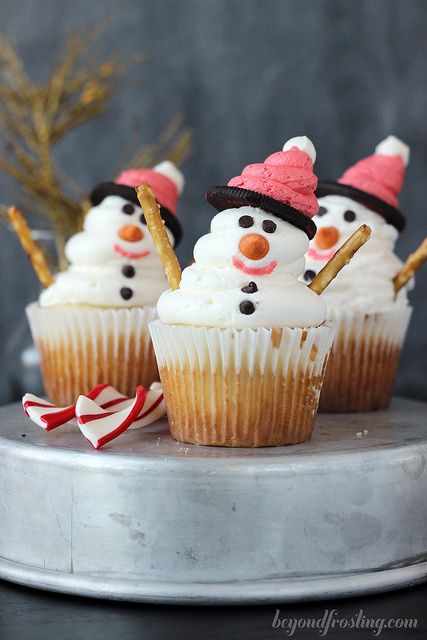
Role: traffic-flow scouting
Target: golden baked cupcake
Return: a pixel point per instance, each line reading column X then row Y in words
column 242, row 343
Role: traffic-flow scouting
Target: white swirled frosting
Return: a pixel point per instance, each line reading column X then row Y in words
column 366, row 283
column 99, row 259
column 210, row 292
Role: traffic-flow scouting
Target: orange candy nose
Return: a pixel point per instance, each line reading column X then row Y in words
column 254, row 246
column 131, row 233
column 326, row 237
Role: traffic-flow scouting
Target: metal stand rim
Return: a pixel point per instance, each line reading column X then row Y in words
column 243, row 593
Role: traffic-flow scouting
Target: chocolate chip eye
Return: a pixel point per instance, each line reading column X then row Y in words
column 322, row 211
column 269, row 226
column 246, row 221
column 349, row 215
column 142, row 219
column 128, row 208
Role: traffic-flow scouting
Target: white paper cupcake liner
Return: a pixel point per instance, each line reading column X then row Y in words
column 363, row 363
column 81, row 347
column 245, row 387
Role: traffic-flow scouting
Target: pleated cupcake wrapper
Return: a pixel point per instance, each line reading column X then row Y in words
column 363, row 363
column 241, row 388
column 81, row 347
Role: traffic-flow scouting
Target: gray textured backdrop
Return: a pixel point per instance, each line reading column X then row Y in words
column 248, row 75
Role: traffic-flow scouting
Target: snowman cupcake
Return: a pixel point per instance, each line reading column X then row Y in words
column 91, row 325
column 242, row 343
column 371, row 320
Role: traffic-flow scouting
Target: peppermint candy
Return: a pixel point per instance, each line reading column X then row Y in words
column 103, row 414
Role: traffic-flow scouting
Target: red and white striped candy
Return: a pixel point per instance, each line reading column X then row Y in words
column 103, row 414
column 44, row 414
column 153, row 409
column 48, row 416
column 99, row 426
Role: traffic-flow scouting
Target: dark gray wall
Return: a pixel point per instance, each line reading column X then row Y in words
column 248, row 75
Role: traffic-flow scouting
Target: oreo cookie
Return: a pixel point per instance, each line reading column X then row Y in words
column 104, row 189
column 390, row 214
column 224, row 197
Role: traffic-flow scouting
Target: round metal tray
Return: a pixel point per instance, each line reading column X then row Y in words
column 150, row 519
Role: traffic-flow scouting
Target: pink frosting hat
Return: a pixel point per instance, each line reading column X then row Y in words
column 375, row 181
column 166, row 181
column 284, row 185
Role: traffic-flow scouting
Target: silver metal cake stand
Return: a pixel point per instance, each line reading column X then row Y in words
column 150, row 519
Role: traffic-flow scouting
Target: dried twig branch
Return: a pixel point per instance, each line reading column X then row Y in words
column 35, row 117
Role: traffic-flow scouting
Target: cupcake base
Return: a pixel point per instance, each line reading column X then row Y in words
column 249, row 388
column 362, row 367
column 259, row 410
column 82, row 347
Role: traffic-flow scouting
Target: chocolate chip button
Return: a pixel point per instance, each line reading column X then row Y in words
column 126, row 293
column 246, row 307
column 309, row 275
column 250, row 288
column 128, row 271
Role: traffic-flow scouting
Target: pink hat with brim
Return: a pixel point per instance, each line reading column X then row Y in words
column 284, row 185
column 375, row 181
column 166, row 181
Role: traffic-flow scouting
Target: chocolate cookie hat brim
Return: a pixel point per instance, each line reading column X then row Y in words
column 224, row 197
column 104, row 189
column 390, row 214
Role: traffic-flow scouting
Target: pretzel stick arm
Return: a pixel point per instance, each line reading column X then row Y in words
column 413, row 263
column 30, row 246
column 340, row 259
column 156, row 227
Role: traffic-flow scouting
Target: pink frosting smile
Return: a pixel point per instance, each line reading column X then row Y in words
column 254, row 271
column 315, row 255
column 130, row 254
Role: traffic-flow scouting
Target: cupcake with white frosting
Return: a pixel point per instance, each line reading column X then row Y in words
column 91, row 324
column 242, row 343
column 371, row 320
